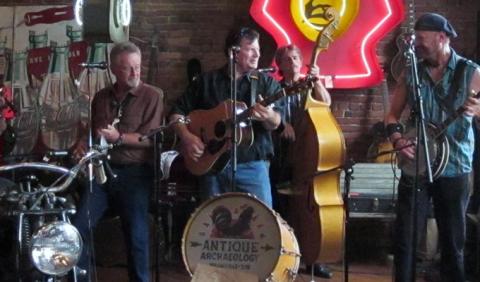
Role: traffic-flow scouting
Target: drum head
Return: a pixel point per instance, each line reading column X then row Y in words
column 234, row 231
column 438, row 150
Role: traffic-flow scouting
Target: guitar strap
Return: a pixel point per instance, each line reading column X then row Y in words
column 253, row 87
column 447, row 103
column 120, row 106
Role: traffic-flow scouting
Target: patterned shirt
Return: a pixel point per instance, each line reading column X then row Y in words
column 439, row 105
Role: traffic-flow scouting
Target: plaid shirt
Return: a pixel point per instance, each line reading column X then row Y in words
column 438, row 106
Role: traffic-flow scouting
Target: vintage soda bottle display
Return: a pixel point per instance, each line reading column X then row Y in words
column 58, row 101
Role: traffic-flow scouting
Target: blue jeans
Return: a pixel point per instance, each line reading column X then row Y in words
column 129, row 196
column 251, row 177
column 450, row 200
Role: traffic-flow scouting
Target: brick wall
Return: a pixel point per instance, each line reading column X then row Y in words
column 196, row 29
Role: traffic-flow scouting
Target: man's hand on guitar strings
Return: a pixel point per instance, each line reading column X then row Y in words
column 260, row 112
column 192, row 147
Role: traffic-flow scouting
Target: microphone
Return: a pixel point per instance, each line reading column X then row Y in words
column 100, row 65
column 267, row 70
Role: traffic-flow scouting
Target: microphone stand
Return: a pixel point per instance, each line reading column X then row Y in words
column 157, row 185
column 348, row 168
column 91, row 250
column 421, row 138
column 91, row 176
column 233, row 96
column 157, row 153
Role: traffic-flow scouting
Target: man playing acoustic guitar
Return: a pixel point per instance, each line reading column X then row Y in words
column 211, row 89
column 447, row 81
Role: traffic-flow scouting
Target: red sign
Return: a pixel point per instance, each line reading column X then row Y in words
column 38, row 60
column 351, row 60
column 77, row 54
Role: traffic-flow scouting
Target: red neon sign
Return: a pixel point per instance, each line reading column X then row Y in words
column 351, row 60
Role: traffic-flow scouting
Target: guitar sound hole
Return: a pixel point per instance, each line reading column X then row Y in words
column 220, row 129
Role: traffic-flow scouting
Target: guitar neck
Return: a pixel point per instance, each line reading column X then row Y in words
column 267, row 101
column 445, row 124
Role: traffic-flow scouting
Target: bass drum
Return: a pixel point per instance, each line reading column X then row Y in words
column 239, row 232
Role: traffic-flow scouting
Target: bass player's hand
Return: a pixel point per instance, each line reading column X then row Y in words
column 288, row 132
column 192, row 146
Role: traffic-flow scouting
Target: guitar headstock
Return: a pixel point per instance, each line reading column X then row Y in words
column 301, row 85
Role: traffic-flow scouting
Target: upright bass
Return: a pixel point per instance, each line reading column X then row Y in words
column 316, row 205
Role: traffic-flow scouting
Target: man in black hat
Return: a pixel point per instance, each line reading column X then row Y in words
column 447, row 81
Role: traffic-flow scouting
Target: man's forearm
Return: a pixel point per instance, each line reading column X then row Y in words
column 273, row 122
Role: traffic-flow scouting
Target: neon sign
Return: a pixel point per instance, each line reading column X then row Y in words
column 351, row 60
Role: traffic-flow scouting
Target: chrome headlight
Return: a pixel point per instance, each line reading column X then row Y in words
column 56, row 248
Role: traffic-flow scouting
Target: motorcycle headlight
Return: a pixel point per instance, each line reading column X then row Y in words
column 56, row 248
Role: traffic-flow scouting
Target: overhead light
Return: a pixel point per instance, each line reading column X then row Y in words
column 78, row 10
column 124, row 11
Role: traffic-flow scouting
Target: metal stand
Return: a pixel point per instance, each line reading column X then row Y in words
column 157, row 151
column 100, row 168
column 158, row 140
column 157, row 135
column 91, row 250
column 348, row 168
column 421, row 138
column 233, row 96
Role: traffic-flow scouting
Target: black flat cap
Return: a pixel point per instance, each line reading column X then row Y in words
column 435, row 22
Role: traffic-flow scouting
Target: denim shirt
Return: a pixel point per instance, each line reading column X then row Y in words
column 212, row 88
column 437, row 108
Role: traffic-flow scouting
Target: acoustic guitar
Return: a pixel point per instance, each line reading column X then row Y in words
column 215, row 128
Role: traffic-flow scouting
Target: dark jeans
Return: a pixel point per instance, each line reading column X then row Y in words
column 251, row 177
column 450, row 199
column 129, row 196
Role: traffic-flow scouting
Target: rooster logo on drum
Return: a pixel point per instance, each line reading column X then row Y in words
column 226, row 227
